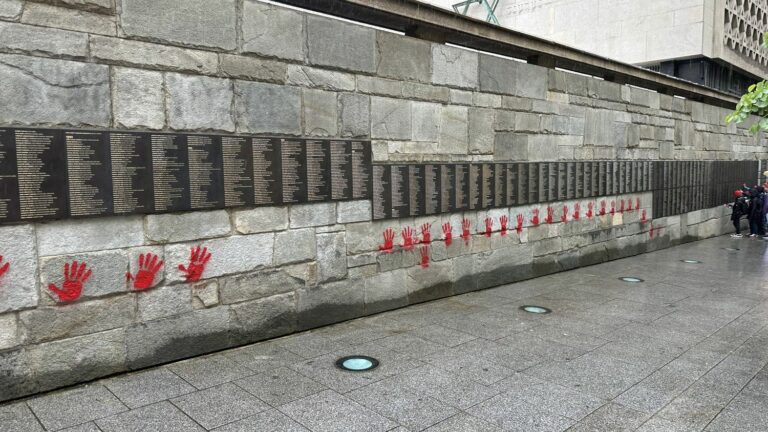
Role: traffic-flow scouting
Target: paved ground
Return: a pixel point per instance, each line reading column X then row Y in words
column 686, row 350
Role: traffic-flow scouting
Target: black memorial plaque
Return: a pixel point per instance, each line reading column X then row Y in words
column 579, row 175
column 318, row 166
column 9, row 182
column 416, row 190
column 588, row 183
column 562, row 181
column 398, row 185
column 170, row 176
column 131, row 162
column 361, row 170
column 570, row 184
column 547, row 180
column 206, row 175
column 237, row 165
column 488, row 185
column 341, row 170
column 461, row 189
column 500, row 185
column 447, row 188
column 381, row 202
column 512, row 179
column 432, row 189
column 88, row 173
column 41, row 166
column 267, row 178
column 523, row 183
column 475, row 186
column 534, row 186
column 293, row 169
column 602, row 178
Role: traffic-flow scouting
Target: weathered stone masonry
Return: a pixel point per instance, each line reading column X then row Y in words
column 249, row 67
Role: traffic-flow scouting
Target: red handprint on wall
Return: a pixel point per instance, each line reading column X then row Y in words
column 621, row 208
column 426, row 234
column 613, row 207
column 198, row 258
column 590, row 206
column 576, row 211
column 424, row 256
column 389, row 237
column 535, row 218
column 3, row 267
column 564, row 216
column 519, row 227
column 629, row 206
column 448, row 233
column 407, row 234
column 149, row 265
column 643, row 217
column 550, row 215
column 503, row 221
column 488, row 226
column 650, row 232
column 74, row 278
column 602, row 208
column 465, row 225
column 637, row 203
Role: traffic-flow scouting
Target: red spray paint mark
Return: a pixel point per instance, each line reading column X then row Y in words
column 448, row 233
column 74, row 278
column 198, row 258
column 535, row 219
column 488, row 226
column 637, row 203
column 550, row 215
column 407, row 234
column 519, row 227
column 621, row 208
column 426, row 234
column 465, row 225
column 613, row 207
column 590, row 207
column 630, row 209
column 149, row 265
column 424, row 256
column 564, row 216
column 650, row 232
column 576, row 211
column 602, row 208
column 643, row 217
column 389, row 237
column 503, row 221
column 3, row 267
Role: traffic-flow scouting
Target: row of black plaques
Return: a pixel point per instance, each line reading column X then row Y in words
column 54, row 173
column 425, row 189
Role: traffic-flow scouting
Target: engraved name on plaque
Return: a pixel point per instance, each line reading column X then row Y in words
column 237, row 164
column 9, row 182
column 88, row 173
column 488, row 183
column 512, row 193
column 546, row 182
column 206, row 176
column 131, row 155
column 522, row 183
column 381, row 202
column 169, row 172
column 431, row 189
column 416, row 190
column 318, row 170
column 500, row 185
column 570, row 184
column 461, row 189
column 447, row 188
column 398, row 184
column 293, row 170
column 475, row 200
column 267, row 180
column 534, row 186
column 341, row 170
column 41, row 169
column 361, row 170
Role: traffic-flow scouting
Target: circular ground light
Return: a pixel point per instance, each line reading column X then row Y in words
column 535, row 309
column 690, row 261
column 357, row 363
column 731, row 249
column 631, row 279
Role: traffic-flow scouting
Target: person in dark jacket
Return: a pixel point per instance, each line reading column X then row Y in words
column 755, row 213
column 740, row 207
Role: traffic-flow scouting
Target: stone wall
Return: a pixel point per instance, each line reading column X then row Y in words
column 250, row 67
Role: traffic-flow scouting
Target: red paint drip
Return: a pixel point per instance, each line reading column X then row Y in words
column 424, row 256
column 3, row 267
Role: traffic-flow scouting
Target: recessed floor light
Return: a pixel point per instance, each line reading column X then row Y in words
column 535, row 309
column 631, row 279
column 357, row 363
column 690, row 261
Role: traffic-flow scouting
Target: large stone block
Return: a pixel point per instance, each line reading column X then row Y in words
column 163, row 302
column 108, row 273
column 229, row 255
column 331, row 257
column 390, row 118
column 355, row 115
column 40, row 40
column 353, row 211
column 257, row 285
column 74, row 236
column 498, row 75
column 152, row 55
column 310, row 215
column 18, row 287
column 263, row 319
column 11, row 9
column 531, row 81
column 295, row 246
column 454, row 66
column 501, row 266
column 101, row 6
column 454, row 130
column 272, row 31
column 481, row 134
column 64, row 18
column 403, row 57
column 510, row 146
column 252, row 68
column 38, row 90
column 177, row 337
column 307, row 76
column 433, row 282
column 197, row 102
column 65, row 321
column 170, row 228
column 78, row 359
column 320, row 116
column 16, row 374
column 137, row 98
column 340, row 45
column 9, row 331
column 386, row 291
column 261, row 219
column 330, row 303
column 264, row 107
column 425, row 121
column 208, row 23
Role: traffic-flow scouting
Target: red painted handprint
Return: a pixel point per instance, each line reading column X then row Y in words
column 550, row 215
column 465, row 225
column 149, row 265
column 519, row 227
column 503, row 221
column 637, row 203
column 424, row 256
column 590, row 207
column 621, row 208
column 564, row 216
column 535, row 218
column 488, row 226
column 389, row 237
column 407, row 234
column 426, row 234
column 613, row 207
column 576, row 211
column 630, row 208
column 602, row 208
column 3, row 267
column 74, row 278
column 198, row 258
column 448, row 233
column 643, row 217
